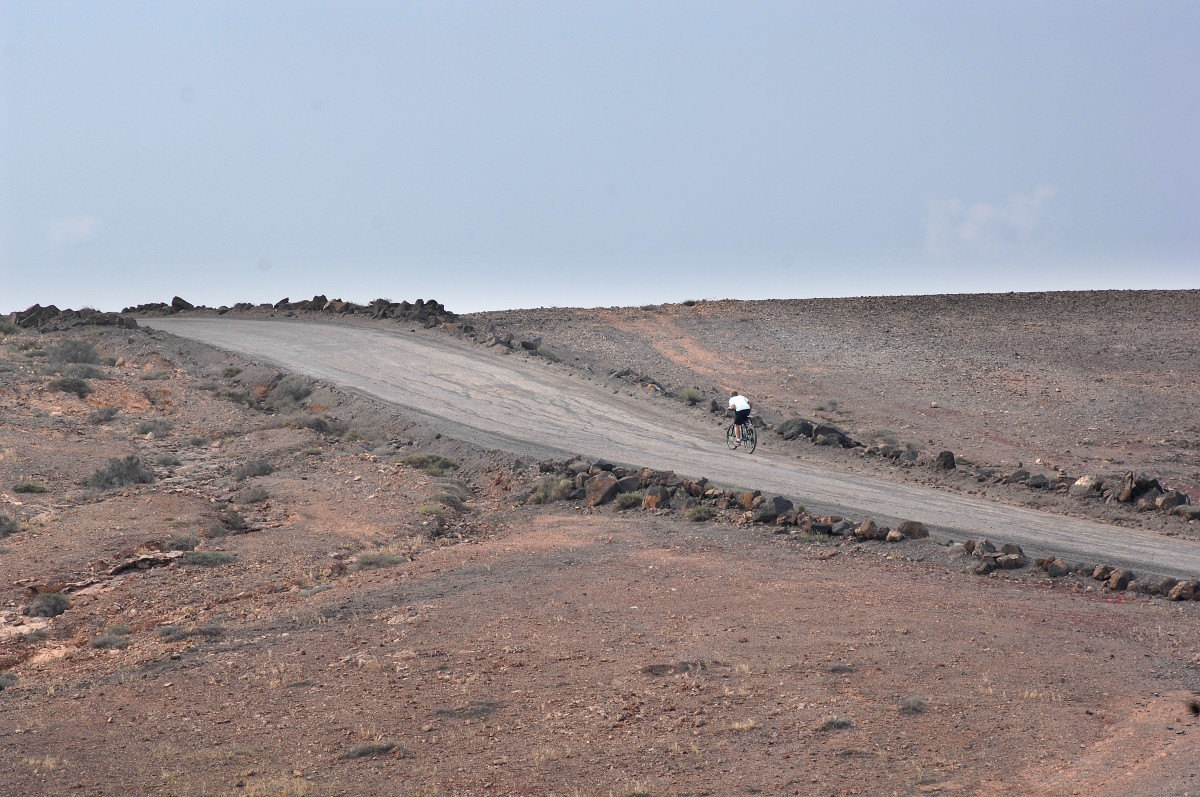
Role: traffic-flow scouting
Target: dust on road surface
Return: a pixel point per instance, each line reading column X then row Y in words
column 506, row 403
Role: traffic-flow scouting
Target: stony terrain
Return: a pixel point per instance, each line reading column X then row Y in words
column 290, row 590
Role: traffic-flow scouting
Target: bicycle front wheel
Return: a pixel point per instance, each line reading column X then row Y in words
column 749, row 439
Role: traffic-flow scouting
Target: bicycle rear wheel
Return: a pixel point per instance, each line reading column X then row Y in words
column 730, row 438
column 749, row 439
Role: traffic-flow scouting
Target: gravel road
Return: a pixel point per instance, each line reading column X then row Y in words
column 506, row 403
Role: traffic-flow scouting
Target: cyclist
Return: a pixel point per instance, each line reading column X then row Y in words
column 741, row 413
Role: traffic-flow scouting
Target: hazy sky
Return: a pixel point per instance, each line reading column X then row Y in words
column 514, row 154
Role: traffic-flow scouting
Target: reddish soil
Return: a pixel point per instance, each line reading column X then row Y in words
column 378, row 630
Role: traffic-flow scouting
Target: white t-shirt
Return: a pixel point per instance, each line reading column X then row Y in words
column 738, row 403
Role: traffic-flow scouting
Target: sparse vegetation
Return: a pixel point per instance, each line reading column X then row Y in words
column 102, row 415
column 913, row 704
column 71, row 384
column 47, row 604
column 121, row 472
column 369, row 749
column 835, row 723
column 175, row 633
column 312, row 451
column 30, row 487
column 230, row 371
column 182, row 542
column 550, row 489
column 154, row 426
column 82, row 371
column 258, row 467
column 8, row 526
column 196, row 441
column 206, row 558
column 629, row 500
column 692, row 395
column 229, row 521
column 8, row 328
column 701, row 513
column 318, row 423
column 115, row 637
column 8, row 680
column 450, row 501
column 381, row 558
column 154, row 376
column 431, row 464
column 432, row 510
column 690, row 302
column 253, row 495
column 73, row 351
column 167, row 460
column 549, row 354
column 289, row 392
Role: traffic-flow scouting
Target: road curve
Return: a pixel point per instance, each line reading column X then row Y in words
column 499, row 402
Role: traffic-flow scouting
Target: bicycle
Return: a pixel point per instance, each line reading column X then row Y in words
column 749, row 437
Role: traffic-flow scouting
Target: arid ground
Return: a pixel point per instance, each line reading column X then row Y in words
column 220, row 579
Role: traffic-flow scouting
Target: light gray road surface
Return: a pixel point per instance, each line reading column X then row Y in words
column 505, row 403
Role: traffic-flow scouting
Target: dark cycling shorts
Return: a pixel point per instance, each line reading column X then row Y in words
column 741, row 416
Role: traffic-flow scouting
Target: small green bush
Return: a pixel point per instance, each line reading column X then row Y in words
column 182, row 542
column 701, row 513
column 230, row 371
column 377, row 559
column 312, row 451
column 433, row 510
column 8, row 680
column 629, row 500
column 154, row 376
column 115, row 637
column 432, row 464
column 196, row 441
column 71, row 384
column 228, row 521
column 120, row 472
column 235, row 395
column 913, row 704
column 691, row 395
column 102, row 415
column 550, row 489
column 8, row 526
column 835, row 723
column 8, row 328
column 29, row 487
column 369, row 749
column 48, row 604
column 318, row 423
column 548, row 354
column 167, row 460
column 175, row 633
column 206, row 558
column 249, row 470
column 253, row 495
column 450, row 501
column 690, row 302
column 73, row 351
column 290, row 391
column 154, row 426
column 83, row 371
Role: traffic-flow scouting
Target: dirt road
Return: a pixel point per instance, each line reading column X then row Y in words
column 475, row 395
